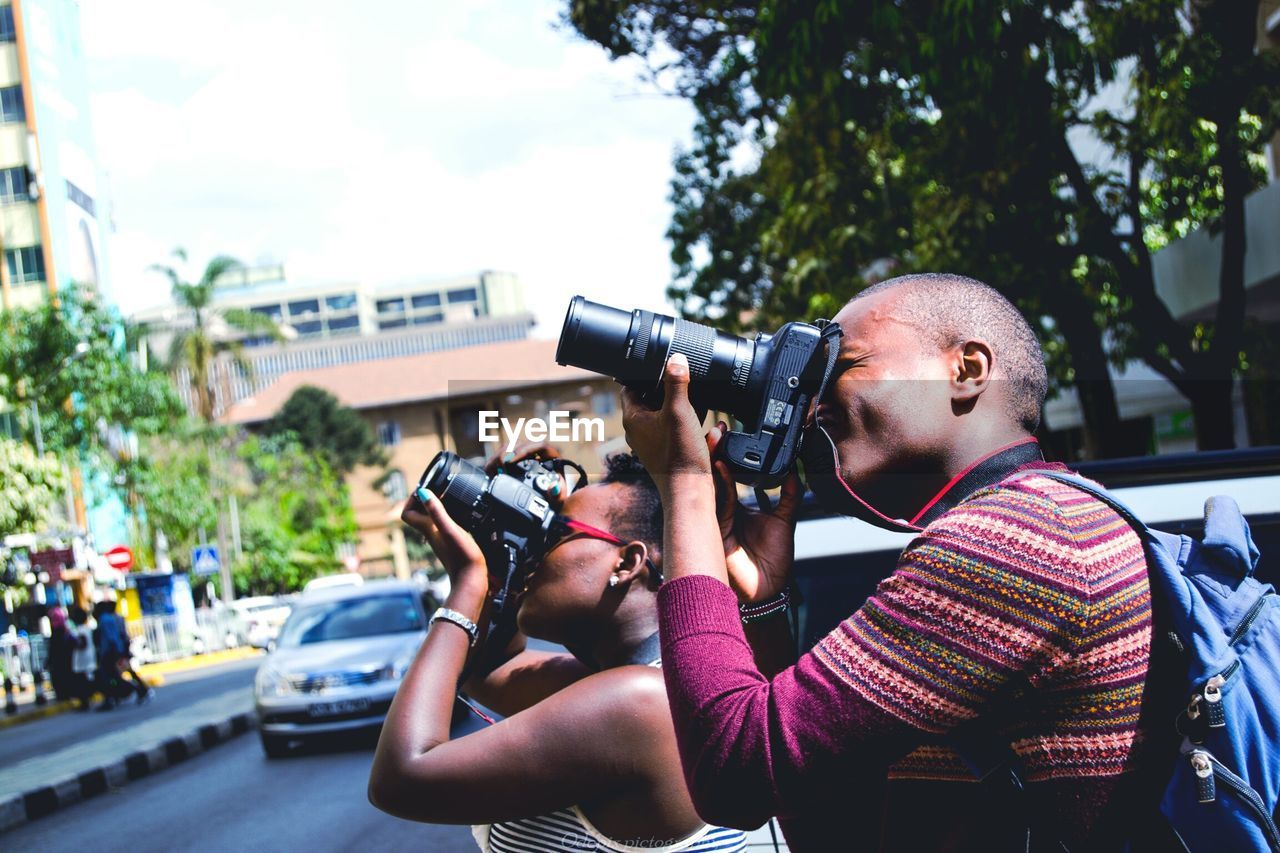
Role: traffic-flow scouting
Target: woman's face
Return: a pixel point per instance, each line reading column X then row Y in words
column 569, row 590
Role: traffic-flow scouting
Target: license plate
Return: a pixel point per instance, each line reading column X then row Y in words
column 333, row 709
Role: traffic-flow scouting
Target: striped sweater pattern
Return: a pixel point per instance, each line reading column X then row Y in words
column 1027, row 604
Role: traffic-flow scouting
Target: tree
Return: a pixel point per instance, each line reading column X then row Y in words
column 323, row 425
column 197, row 345
column 80, row 395
column 292, row 523
column 29, row 488
column 170, row 482
column 925, row 135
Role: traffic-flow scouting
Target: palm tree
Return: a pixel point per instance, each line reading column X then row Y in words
column 198, row 346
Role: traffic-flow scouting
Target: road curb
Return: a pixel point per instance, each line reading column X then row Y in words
column 43, row 800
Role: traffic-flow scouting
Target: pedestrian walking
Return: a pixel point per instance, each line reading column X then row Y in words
column 113, row 659
column 84, row 657
column 58, row 661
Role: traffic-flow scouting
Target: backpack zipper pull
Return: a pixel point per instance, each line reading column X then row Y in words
column 1202, row 765
column 1214, row 710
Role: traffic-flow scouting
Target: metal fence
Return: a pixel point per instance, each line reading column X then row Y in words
column 152, row 639
column 23, row 656
column 160, row 638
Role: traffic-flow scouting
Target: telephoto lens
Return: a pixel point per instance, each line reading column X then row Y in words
column 633, row 347
column 767, row 383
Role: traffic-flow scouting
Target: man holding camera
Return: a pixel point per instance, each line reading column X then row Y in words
column 1011, row 642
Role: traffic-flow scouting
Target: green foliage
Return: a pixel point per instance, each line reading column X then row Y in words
column 38, row 360
column 171, row 482
column 898, row 136
column 293, row 521
column 323, row 425
column 29, row 488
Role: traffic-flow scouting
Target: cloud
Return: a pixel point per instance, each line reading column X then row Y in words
column 424, row 140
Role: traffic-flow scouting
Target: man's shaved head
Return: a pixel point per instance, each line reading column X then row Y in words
column 953, row 308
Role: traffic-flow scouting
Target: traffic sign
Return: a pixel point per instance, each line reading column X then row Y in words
column 204, row 560
column 119, row 557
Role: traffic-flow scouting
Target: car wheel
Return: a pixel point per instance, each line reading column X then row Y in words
column 275, row 746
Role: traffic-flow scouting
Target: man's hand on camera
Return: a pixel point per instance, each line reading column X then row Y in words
column 759, row 547
column 669, row 441
column 460, row 554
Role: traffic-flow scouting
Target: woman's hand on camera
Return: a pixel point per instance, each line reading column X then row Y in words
column 530, row 450
column 669, row 441
column 459, row 553
column 759, row 546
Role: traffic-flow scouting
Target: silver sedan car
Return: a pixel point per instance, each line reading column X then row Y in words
column 338, row 661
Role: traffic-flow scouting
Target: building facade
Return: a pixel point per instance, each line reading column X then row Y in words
column 421, row 404
column 54, row 208
column 327, row 325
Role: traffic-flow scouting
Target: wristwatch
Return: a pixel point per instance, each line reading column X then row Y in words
column 458, row 619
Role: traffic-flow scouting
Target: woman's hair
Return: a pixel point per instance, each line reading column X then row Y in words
column 638, row 517
column 78, row 614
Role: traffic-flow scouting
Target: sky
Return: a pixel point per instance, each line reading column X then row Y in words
column 381, row 142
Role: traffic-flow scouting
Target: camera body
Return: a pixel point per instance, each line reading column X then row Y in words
column 507, row 514
column 766, row 383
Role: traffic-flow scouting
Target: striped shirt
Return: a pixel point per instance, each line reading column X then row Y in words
column 1026, row 605
column 569, row 830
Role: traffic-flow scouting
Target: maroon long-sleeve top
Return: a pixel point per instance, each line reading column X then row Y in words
column 1027, row 605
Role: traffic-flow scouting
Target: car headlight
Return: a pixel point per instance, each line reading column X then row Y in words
column 270, row 683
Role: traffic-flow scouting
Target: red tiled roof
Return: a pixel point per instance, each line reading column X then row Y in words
column 413, row 378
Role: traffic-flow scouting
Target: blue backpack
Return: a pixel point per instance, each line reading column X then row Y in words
column 1225, row 625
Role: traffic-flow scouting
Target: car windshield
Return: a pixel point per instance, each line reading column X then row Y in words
column 350, row 618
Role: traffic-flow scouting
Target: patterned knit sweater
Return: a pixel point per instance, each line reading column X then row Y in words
column 1026, row 606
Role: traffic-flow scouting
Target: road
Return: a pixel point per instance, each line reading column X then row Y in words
column 182, row 688
column 233, row 799
column 230, row 798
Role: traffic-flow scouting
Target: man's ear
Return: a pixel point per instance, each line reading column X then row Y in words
column 974, row 362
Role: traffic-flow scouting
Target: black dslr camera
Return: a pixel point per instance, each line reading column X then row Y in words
column 509, row 514
column 766, row 383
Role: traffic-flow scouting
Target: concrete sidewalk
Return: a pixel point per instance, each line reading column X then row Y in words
column 38, row 786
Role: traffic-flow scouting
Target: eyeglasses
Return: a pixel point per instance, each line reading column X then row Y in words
column 564, row 529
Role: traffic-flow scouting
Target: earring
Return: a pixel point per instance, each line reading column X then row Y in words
column 613, row 580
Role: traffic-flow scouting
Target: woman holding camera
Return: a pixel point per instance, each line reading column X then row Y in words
column 586, row 758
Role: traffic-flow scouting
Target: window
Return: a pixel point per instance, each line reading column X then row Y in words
column 392, row 324
column 428, row 319
column 395, row 488
column 25, row 264
column 339, row 324
column 466, row 294
column 81, row 198
column 390, row 306
column 389, row 433
column 272, row 311
column 341, row 302
column 11, row 104
column 15, row 184
column 7, row 32
column 426, row 300
column 604, row 402
column 304, row 306
column 464, row 426
column 310, row 327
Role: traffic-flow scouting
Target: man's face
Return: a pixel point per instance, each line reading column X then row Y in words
column 888, row 407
